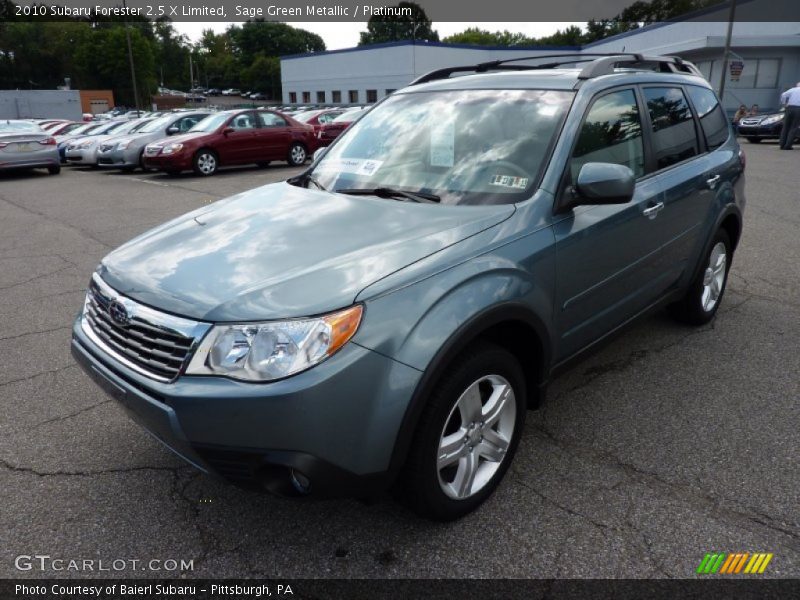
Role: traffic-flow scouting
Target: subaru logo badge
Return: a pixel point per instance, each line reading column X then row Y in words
column 118, row 313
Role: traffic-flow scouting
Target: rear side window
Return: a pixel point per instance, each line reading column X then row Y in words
column 611, row 133
column 674, row 135
column 712, row 119
column 269, row 119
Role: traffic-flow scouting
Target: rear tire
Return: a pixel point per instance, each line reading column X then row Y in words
column 704, row 296
column 297, row 154
column 467, row 434
column 54, row 170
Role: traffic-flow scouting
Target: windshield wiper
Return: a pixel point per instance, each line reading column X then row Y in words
column 387, row 192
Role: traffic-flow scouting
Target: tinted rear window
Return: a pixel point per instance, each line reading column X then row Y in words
column 712, row 119
column 674, row 135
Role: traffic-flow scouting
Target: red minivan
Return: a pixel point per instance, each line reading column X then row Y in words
column 233, row 137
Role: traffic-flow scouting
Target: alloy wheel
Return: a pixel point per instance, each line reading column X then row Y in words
column 714, row 277
column 476, row 436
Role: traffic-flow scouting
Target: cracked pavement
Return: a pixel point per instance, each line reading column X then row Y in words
column 668, row 443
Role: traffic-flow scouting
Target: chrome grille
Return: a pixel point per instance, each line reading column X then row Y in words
column 750, row 121
column 153, row 343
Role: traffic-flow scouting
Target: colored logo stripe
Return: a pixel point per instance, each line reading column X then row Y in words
column 733, row 563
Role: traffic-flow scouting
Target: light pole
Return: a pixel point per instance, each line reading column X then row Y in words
column 731, row 17
column 130, row 59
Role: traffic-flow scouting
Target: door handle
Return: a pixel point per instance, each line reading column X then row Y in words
column 652, row 211
column 712, row 181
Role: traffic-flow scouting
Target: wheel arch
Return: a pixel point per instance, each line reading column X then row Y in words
column 510, row 325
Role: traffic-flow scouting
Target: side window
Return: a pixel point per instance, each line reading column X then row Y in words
column 674, row 135
column 187, row 123
column 611, row 133
column 243, row 121
column 269, row 119
column 712, row 119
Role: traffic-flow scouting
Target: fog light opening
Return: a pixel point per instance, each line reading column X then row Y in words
column 300, row 482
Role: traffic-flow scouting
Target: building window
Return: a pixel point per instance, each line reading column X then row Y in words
column 336, row 96
column 389, row 92
column 353, row 94
column 767, row 75
column 306, row 97
column 293, row 97
column 320, row 97
column 372, row 96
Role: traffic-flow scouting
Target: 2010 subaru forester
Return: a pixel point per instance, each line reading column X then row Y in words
column 388, row 316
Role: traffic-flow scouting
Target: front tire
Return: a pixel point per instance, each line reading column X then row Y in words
column 754, row 140
column 467, row 434
column 54, row 170
column 702, row 301
column 205, row 163
column 297, row 154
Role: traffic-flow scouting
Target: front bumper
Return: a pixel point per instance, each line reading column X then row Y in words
column 335, row 425
column 760, row 131
column 82, row 156
column 116, row 159
column 182, row 161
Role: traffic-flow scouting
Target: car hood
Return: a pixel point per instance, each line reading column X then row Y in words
column 184, row 137
column 280, row 251
column 760, row 118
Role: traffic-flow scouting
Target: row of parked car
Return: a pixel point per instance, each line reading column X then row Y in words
column 199, row 140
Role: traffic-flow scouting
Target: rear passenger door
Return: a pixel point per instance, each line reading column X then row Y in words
column 606, row 254
column 680, row 161
column 273, row 136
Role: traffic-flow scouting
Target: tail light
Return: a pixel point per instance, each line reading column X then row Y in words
column 48, row 141
column 742, row 158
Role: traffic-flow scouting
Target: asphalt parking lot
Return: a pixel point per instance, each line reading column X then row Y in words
column 669, row 443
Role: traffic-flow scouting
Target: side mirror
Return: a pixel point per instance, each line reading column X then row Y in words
column 228, row 130
column 603, row 183
column 319, row 153
column 173, row 129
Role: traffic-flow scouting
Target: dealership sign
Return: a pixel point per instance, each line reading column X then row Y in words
column 736, row 66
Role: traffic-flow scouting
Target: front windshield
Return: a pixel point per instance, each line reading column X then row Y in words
column 108, row 128
column 465, row 146
column 307, row 116
column 348, row 116
column 211, row 122
column 156, row 124
column 139, row 124
column 19, row 126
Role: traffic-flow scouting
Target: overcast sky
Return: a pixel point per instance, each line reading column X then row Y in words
column 345, row 34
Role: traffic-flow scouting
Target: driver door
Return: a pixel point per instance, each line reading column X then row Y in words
column 606, row 254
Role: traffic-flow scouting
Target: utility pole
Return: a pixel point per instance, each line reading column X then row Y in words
column 130, row 59
column 191, row 74
column 723, row 76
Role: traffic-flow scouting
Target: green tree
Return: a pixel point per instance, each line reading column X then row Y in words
column 416, row 26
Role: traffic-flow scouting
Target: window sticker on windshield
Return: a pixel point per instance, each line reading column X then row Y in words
column 510, row 181
column 356, row 166
column 443, row 144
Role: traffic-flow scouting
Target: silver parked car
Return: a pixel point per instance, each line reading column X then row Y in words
column 24, row 145
column 83, row 151
column 126, row 152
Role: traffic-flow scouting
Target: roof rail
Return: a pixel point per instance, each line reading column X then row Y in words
column 668, row 64
column 600, row 64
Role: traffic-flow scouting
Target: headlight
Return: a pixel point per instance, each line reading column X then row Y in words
column 172, row 148
column 273, row 350
column 86, row 144
column 772, row 120
column 124, row 144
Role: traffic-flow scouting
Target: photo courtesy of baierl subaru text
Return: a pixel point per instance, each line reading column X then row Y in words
column 399, row 300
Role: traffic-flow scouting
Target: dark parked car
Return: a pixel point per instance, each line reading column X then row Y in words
column 763, row 127
column 233, row 138
column 332, row 129
column 390, row 314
